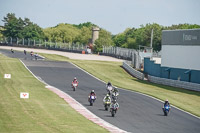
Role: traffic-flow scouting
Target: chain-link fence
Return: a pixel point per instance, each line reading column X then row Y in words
column 75, row 47
column 135, row 56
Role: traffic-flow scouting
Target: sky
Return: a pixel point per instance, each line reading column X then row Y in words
column 113, row 15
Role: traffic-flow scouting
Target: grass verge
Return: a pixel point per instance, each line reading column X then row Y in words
column 43, row 112
column 113, row 72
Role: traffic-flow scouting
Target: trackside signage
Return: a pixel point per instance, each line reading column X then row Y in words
column 24, row 95
column 181, row 37
column 7, row 76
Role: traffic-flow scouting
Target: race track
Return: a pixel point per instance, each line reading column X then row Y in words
column 137, row 113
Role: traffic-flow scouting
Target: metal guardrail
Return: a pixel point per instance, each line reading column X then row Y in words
column 133, row 72
column 163, row 81
column 174, row 83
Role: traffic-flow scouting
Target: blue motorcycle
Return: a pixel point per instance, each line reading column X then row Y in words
column 166, row 110
column 91, row 99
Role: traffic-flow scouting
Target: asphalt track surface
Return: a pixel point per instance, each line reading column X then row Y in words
column 137, row 113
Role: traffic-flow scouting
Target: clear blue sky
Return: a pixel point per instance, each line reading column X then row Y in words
column 112, row 15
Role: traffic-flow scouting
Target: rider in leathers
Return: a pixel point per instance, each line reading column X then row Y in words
column 114, row 103
column 75, row 81
column 106, row 98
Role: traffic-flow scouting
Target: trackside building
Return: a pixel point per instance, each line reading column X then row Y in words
column 180, row 56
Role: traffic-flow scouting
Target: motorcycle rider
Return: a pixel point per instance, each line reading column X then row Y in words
column 36, row 56
column 166, row 103
column 31, row 53
column 25, row 52
column 107, row 98
column 108, row 84
column 92, row 93
column 12, row 51
column 115, row 93
column 109, row 87
column 115, row 90
column 75, row 81
column 114, row 103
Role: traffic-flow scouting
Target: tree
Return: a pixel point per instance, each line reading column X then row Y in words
column 19, row 28
column 119, row 39
column 85, row 35
column 11, row 26
column 105, row 39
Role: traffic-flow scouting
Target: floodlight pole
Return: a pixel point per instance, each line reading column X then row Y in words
column 151, row 45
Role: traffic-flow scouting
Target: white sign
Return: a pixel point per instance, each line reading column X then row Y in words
column 7, row 76
column 24, row 95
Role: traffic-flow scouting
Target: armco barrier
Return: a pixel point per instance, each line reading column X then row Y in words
column 133, row 72
column 174, row 83
column 163, row 81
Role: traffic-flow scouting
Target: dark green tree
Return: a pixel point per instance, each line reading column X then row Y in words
column 19, row 28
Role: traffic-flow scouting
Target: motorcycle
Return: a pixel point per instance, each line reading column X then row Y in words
column 114, row 95
column 107, row 104
column 109, row 89
column 91, row 99
column 74, row 86
column 113, row 109
column 12, row 51
column 166, row 110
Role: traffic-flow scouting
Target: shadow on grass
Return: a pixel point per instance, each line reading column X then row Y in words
column 181, row 90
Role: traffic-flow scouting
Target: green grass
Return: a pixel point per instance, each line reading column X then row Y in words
column 113, row 72
column 43, row 112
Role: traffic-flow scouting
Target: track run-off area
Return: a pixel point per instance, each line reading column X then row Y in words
column 137, row 112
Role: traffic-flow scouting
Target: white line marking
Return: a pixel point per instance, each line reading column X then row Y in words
column 94, row 118
column 136, row 92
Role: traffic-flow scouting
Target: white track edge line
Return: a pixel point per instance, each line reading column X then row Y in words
column 69, row 96
column 136, row 92
column 107, row 123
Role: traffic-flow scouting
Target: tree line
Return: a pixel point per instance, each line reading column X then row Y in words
column 70, row 33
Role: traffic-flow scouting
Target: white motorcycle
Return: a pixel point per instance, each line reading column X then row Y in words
column 109, row 89
column 74, row 86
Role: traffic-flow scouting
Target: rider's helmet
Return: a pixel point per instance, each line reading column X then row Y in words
column 166, row 100
column 74, row 78
column 92, row 91
column 107, row 95
column 115, row 89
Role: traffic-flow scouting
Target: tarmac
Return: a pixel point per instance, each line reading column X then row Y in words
column 137, row 113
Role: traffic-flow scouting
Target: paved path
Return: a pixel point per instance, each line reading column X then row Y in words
column 137, row 113
column 66, row 54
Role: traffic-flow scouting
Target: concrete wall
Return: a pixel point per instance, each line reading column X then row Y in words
column 174, row 83
column 153, row 69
